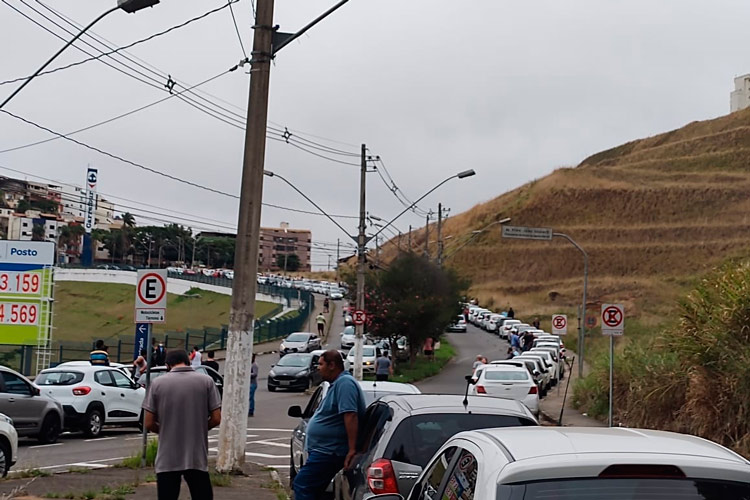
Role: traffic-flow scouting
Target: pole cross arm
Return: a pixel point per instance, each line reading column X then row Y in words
column 281, row 40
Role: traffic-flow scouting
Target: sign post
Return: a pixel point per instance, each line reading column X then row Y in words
column 613, row 324
column 150, row 308
column 559, row 324
column 359, row 317
column 527, row 233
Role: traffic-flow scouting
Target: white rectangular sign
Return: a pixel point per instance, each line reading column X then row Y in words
column 41, row 253
column 89, row 204
column 559, row 324
column 527, row 233
column 151, row 296
column 613, row 319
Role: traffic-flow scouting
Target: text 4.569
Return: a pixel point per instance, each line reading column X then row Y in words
column 16, row 313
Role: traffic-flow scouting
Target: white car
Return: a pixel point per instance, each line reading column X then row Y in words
column 494, row 322
column 509, row 382
column 299, row 342
column 548, row 371
column 534, row 463
column 317, row 353
column 8, row 444
column 92, row 396
column 336, row 294
column 348, row 337
column 369, row 355
column 550, row 359
column 458, row 325
column 508, row 324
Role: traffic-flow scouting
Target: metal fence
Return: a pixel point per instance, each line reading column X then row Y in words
column 121, row 348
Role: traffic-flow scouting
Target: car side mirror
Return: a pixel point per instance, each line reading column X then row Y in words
column 36, row 391
column 294, row 412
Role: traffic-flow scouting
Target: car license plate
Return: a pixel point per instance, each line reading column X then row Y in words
column 284, row 382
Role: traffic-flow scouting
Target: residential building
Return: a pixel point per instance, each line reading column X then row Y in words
column 740, row 97
column 21, row 226
column 283, row 240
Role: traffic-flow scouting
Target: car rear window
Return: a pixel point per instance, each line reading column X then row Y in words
column 418, row 437
column 627, row 489
column 58, row 378
column 509, row 375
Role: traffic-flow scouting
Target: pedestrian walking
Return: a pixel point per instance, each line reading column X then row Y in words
column 195, row 357
column 181, row 406
column 535, row 323
column 515, row 340
column 253, row 386
column 326, row 304
column 159, row 353
column 332, row 431
column 99, row 356
column 210, row 361
column 511, row 313
column 321, row 321
column 140, row 365
column 429, row 348
column 383, row 367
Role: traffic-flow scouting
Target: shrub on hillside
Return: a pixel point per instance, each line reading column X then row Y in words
column 692, row 378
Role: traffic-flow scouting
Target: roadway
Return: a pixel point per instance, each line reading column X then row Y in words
column 269, row 431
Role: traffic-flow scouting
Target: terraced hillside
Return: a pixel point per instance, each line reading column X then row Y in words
column 652, row 214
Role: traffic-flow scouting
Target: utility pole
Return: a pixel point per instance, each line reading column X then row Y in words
column 399, row 241
column 329, row 261
column 361, row 242
column 440, row 234
column 338, row 257
column 233, row 430
column 427, row 235
column 410, row 237
column 377, row 251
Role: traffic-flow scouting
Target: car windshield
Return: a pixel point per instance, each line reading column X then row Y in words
column 418, row 437
column 298, row 337
column 58, row 378
column 349, row 330
column 509, row 375
column 292, row 360
column 627, row 489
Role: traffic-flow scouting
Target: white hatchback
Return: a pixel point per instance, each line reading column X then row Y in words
column 509, row 382
column 8, row 444
column 92, row 396
column 369, row 355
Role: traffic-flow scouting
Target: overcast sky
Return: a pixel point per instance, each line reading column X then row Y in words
column 513, row 90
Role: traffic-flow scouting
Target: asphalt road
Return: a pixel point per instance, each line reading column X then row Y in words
column 269, row 431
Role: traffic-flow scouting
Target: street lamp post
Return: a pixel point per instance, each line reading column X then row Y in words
column 129, row 6
column 477, row 233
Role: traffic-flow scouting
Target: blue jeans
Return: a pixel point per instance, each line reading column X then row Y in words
column 253, row 387
column 313, row 478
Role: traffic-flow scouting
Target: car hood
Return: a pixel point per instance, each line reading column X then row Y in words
column 293, row 344
column 288, row 370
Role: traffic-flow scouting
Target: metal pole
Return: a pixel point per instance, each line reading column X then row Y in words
column 611, row 373
column 440, row 234
column 361, row 242
column 409, row 237
column 144, row 431
column 233, row 429
column 338, row 257
column 427, row 235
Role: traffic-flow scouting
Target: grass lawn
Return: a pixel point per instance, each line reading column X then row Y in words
column 422, row 368
column 101, row 310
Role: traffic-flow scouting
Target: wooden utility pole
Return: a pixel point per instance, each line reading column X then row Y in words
column 440, row 234
column 338, row 258
column 427, row 235
column 361, row 261
column 233, row 430
column 409, row 237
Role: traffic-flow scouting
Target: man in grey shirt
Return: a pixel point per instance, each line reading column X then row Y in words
column 181, row 406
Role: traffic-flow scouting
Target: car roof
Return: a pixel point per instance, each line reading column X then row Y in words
column 453, row 403
column 82, row 367
column 388, row 387
column 88, row 363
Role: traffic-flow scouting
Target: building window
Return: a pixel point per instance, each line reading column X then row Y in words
column 25, row 224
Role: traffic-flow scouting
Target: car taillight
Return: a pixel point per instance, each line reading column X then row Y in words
column 381, row 478
column 481, row 390
column 81, row 391
column 533, row 390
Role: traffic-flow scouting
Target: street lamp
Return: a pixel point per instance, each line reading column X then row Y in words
column 129, row 6
column 477, row 232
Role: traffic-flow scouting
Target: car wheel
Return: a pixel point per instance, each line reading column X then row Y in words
column 308, row 385
column 271, row 388
column 93, row 424
column 50, row 430
column 4, row 459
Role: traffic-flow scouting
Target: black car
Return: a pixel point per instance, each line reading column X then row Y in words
column 158, row 371
column 294, row 371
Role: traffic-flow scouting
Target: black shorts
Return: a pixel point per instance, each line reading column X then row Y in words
column 428, row 352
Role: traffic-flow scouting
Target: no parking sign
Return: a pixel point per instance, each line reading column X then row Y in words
column 559, row 324
column 613, row 319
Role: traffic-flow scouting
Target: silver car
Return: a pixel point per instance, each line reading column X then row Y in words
column 33, row 414
column 535, row 463
column 299, row 342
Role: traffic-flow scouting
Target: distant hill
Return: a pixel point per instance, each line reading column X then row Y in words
column 652, row 215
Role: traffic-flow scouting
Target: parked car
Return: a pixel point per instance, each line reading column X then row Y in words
column 542, row 365
column 294, row 371
column 372, row 391
column 158, row 371
column 33, row 414
column 508, row 324
column 8, row 444
column 588, row 462
column 399, row 435
column 458, row 325
column 336, row 294
column 317, row 353
column 531, row 366
column 507, row 381
column 348, row 337
column 494, row 322
column 299, row 342
column 93, row 396
column 369, row 355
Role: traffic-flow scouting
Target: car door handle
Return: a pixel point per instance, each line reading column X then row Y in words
column 122, row 395
column 11, row 400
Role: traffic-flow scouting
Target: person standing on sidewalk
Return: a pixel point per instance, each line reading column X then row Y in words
column 178, row 404
column 253, row 386
column 210, row 361
column 383, row 367
column 321, row 321
column 332, row 431
column 195, row 357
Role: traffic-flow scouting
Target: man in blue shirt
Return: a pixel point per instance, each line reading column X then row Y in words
column 332, row 431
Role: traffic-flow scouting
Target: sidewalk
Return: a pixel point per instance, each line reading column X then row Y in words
column 552, row 403
column 258, row 483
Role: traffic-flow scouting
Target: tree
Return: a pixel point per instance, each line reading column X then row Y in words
column 37, row 232
column 288, row 261
column 413, row 297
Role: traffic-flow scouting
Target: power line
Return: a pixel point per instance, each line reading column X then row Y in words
column 103, row 54
column 236, row 28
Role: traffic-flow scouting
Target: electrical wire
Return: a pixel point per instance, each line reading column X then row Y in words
column 236, row 28
column 130, row 45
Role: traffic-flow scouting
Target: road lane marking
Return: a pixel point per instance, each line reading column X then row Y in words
column 90, row 465
column 269, row 443
column 269, row 430
column 264, row 455
column 44, row 446
column 99, row 439
column 71, row 465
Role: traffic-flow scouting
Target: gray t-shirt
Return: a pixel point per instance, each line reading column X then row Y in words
column 182, row 401
column 382, row 366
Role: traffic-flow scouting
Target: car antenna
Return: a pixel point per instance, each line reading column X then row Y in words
column 469, row 381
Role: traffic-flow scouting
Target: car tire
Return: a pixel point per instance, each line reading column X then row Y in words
column 93, row 423
column 271, row 388
column 50, row 430
column 4, row 459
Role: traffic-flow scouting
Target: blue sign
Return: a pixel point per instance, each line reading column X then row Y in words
column 141, row 338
